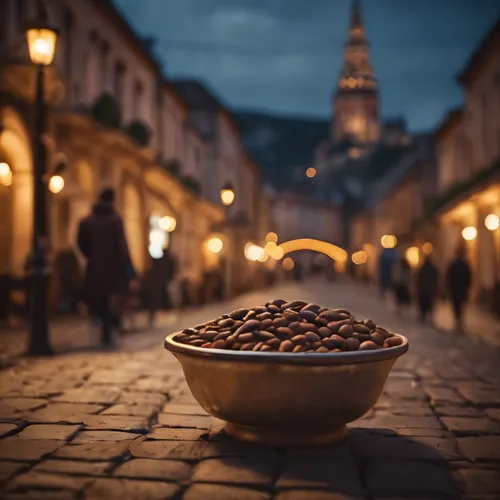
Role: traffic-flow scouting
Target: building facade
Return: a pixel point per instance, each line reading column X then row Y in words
column 468, row 151
column 114, row 122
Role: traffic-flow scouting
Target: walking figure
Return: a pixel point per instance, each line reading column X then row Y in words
column 401, row 278
column 101, row 239
column 427, row 288
column 458, row 280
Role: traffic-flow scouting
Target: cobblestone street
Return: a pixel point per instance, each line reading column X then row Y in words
column 93, row 424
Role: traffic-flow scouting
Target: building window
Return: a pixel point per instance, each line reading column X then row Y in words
column 69, row 25
column 119, row 82
column 137, row 100
column 103, row 66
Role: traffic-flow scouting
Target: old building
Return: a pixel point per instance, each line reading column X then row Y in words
column 113, row 122
column 467, row 208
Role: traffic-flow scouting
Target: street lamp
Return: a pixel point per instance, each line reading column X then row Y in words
column 227, row 194
column 42, row 39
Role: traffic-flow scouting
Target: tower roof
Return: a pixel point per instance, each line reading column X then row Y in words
column 356, row 20
column 357, row 73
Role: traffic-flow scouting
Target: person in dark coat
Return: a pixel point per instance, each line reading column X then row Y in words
column 386, row 262
column 427, row 288
column 401, row 280
column 458, row 281
column 101, row 239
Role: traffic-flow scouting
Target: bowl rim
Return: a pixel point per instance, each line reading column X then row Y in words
column 288, row 358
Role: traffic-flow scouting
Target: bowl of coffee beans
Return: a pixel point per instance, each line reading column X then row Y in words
column 287, row 372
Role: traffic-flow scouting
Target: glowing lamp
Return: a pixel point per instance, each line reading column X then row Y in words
column 227, row 194
column 167, row 223
column 492, row 222
column 469, row 233
column 56, row 184
column 388, row 241
column 215, row 245
column 42, row 41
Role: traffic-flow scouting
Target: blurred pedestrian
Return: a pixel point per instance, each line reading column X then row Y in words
column 157, row 283
column 101, row 239
column 387, row 259
column 427, row 288
column 458, row 281
column 401, row 280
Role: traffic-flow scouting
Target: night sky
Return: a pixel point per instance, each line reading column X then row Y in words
column 284, row 56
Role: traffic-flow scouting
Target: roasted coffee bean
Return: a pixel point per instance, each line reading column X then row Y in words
column 393, row 341
column 273, row 309
column 286, row 346
column 359, row 328
column 264, row 316
column 250, row 315
column 324, row 331
column 222, row 336
column 312, row 307
column 369, row 323
column 338, row 340
column 248, row 346
column 278, row 302
column 308, row 315
column 299, row 339
column 207, row 323
column 253, row 324
column 352, row 344
column 294, row 304
column 280, row 322
column 266, row 324
column 275, row 342
column 378, row 338
column 368, row 345
column 219, row 344
column 197, row 342
column 226, row 323
column 291, row 315
column 238, row 313
column 246, row 337
column 258, row 346
column 232, row 339
column 345, row 331
column 336, row 325
column 362, row 337
column 283, row 330
column 308, row 327
column 328, row 343
column 289, row 326
column 312, row 337
column 265, row 335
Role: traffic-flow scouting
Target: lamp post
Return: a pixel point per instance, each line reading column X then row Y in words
column 41, row 40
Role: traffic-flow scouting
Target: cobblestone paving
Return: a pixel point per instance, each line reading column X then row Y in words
column 124, row 425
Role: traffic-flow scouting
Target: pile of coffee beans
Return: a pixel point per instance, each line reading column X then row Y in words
column 294, row 326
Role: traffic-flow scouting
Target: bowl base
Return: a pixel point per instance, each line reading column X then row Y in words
column 285, row 437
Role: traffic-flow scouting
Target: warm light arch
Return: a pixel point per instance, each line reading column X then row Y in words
column 333, row 251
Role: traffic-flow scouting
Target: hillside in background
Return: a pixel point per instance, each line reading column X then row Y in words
column 280, row 144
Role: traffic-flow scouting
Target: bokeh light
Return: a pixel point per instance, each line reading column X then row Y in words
column 215, row 245
column 288, row 264
column 272, row 237
column 311, row 172
column 167, row 223
column 56, row 184
column 359, row 258
column 427, row 248
column 492, row 222
column 413, row 256
column 388, row 241
column 469, row 233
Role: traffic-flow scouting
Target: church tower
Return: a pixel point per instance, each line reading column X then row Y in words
column 356, row 106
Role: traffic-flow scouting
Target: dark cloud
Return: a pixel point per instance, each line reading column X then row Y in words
column 285, row 55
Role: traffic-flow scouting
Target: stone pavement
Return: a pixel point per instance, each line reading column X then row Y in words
column 123, row 424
